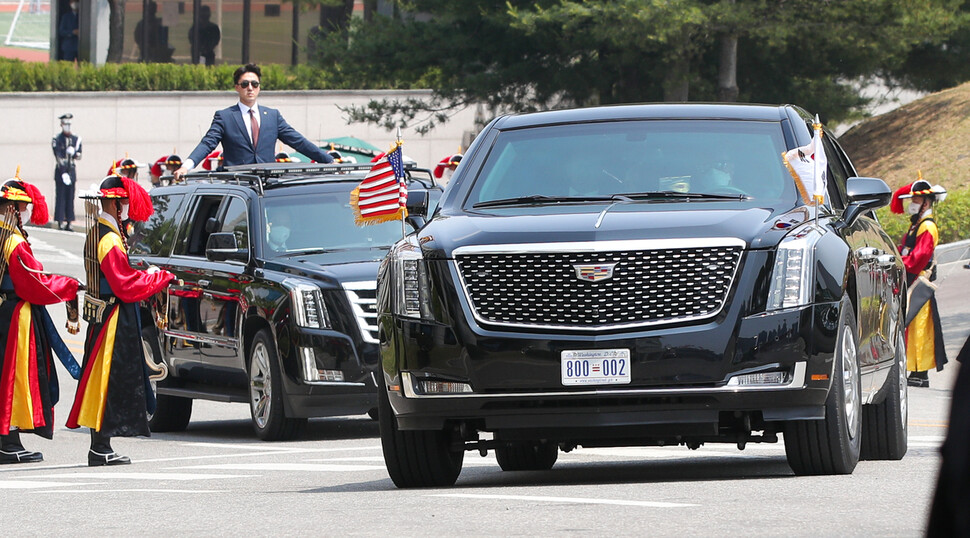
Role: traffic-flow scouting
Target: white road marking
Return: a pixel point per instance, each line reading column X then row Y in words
column 147, row 476
column 277, row 448
column 33, row 484
column 575, row 500
column 50, row 253
column 135, row 490
column 302, row 467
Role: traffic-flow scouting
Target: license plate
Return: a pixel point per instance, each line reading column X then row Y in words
column 596, row 367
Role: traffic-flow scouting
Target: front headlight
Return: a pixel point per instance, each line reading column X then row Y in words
column 792, row 280
column 412, row 291
column 309, row 309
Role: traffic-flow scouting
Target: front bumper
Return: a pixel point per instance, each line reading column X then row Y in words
column 679, row 376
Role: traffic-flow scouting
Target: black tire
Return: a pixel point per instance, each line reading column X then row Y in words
column 832, row 446
column 416, row 459
column 528, row 456
column 266, row 399
column 885, row 428
column 172, row 413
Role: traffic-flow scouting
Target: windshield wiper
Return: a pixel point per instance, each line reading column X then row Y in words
column 308, row 251
column 673, row 194
column 540, row 199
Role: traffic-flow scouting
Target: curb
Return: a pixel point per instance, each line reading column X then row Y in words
column 952, row 252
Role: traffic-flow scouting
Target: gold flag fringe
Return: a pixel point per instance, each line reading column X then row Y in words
column 361, row 220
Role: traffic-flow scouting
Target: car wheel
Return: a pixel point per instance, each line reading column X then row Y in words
column 172, row 413
column 832, row 445
column 266, row 393
column 885, row 428
column 528, row 456
column 416, row 459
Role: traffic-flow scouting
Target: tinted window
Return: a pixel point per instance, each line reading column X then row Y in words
column 319, row 221
column 735, row 157
column 837, row 173
column 192, row 238
column 155, row 235
column 237, row 222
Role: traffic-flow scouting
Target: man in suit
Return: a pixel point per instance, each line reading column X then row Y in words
column 249, row 132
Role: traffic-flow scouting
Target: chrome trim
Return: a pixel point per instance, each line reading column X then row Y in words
column 593, row 246
column 194, row 337
column 335, row 383
column 797, row 382
column 359, row 313
column 601, row 246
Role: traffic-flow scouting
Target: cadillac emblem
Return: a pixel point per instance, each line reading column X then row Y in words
column 594, row 272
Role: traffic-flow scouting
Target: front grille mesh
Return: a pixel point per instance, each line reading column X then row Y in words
column 648, row 286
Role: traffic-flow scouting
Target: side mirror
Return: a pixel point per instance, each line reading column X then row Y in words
column 418, row 204
column 221, row 247
column 865, row 194
column 212, row 224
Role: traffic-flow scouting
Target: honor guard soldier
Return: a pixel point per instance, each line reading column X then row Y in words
column 114, row 391
column 28, row 339
column 67, row 149
column 125, row 167
column 163, row 168
column 924, row 332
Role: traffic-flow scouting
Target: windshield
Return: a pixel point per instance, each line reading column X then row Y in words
column 319, row 222
column 591, row 161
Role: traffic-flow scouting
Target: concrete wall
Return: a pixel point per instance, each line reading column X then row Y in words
column 148, row 125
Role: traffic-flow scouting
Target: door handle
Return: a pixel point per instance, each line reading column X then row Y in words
column 867, row 253
column 886, row 260
column 204, row 283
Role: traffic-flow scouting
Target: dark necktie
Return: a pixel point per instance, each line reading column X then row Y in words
column 255, row 127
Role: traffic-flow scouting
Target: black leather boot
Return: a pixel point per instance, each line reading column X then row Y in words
column 101, row 452
column 11, row 451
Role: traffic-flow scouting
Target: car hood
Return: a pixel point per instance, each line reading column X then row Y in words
column 333, row 267
column 758, row 227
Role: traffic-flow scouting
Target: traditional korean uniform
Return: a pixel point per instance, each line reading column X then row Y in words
column 114, row 396
column 924, row 334
column 28, row 380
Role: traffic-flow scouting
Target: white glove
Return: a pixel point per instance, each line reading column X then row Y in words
column 152, row 269
column 70, row 150
column 66, row 178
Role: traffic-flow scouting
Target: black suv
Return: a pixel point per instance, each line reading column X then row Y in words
column 276, row 304
column 643, row 275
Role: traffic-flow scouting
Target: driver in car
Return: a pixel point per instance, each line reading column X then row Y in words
column 277, row 230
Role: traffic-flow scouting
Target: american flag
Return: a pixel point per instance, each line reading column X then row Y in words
column 383, row 195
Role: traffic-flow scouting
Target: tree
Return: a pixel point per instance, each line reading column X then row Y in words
column 529, row 55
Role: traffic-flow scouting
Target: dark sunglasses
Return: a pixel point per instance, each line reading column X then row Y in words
column 245, row 84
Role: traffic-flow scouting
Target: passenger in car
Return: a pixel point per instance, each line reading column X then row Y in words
column 924, row 335
column 28, row 381
column 277, row 230
column 114, row 393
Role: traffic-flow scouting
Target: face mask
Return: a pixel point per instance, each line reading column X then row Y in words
column 914, row 208
column 66, row 128
column 25, row 214
column 73, row 6
column 279, row 234
column 124, row 212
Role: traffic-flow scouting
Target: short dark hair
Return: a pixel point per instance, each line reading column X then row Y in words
column 248, row 68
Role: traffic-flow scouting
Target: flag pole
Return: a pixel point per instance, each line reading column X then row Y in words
column 400, row 144
column 817, row 125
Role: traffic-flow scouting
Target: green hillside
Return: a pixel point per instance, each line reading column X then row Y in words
column 931, row 135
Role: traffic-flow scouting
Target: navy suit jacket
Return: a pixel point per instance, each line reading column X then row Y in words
column 228, row 127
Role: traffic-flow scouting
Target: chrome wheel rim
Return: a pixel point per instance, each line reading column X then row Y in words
column 260, row 385
column 850, row 383
column 903, row 385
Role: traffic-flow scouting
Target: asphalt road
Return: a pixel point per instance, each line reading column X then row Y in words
column 216, row 478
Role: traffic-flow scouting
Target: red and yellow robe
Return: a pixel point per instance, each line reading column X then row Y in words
column 113, row 394
column 924, row 335
column 28, row 382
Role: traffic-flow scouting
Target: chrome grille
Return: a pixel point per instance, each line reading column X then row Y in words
column 363, row 300
column 648, row 286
